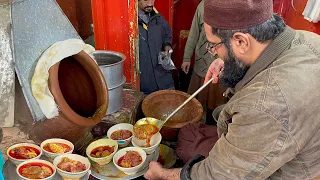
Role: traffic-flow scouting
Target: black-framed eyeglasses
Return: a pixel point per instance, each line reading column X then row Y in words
column 210, row 47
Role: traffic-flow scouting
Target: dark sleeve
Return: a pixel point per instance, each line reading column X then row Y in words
column 194, row 35
column 186, row 170
column 167, row 33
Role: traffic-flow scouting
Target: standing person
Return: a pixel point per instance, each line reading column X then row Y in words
column 211, row 96
column 154, row 37
column 270, row 128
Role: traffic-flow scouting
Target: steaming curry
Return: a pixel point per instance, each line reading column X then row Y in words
column 102, row 151
column 130, row 159
column 35, row 171
column 24, row 152
column 145, row 131
column 121, row 134
column 58, row 148
column 72, row 166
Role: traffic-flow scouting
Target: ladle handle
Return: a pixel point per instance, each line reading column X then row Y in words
column 185, row 102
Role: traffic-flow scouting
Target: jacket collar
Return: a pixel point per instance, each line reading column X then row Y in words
column 268, row 56
column 155, row 10
column 153, row 13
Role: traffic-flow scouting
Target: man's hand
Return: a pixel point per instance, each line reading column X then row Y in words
column 214, row 71
column 185, row 67
column 157, row 172
column 154, row 172
column 167, row 49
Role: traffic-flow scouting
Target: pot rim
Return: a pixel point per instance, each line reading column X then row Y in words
column 98, row 80
column 176, row 125
column 112, row 52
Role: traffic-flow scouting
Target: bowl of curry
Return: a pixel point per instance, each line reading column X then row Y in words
column 71, row 166
column 122, row 133
column 148, row 145
column 146, row 134
column 130, row 160
column 102, row 151
column 19, row 153
column 55, row 147
column 36, row 169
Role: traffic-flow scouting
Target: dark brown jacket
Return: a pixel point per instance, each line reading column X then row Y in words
column 275, row 117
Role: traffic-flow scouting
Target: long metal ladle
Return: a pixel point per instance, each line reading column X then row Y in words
column 160, row 123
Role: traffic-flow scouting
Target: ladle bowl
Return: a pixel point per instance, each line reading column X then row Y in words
column 148, row 120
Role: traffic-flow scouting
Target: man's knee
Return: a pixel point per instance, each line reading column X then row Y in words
column 195, row 138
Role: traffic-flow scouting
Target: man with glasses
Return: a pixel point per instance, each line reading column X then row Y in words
column 154, row 36
column 270, row 128
column 211, row 96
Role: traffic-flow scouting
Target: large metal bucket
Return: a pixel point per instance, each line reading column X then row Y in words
column 111, row 65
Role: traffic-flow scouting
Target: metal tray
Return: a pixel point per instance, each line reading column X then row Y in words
column 110, row 172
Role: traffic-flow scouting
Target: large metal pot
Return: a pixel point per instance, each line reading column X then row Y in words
column 111, row 65
column 161, row 103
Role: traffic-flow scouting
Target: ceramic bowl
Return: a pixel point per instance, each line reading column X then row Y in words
column 52, row 155
column 102, row 142
column 68, row 175
column 122, row 152
column 121, row 126
column 154, row 143
column 36, row 161
column 18, row 161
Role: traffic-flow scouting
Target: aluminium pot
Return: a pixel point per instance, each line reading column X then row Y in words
column 111, row 65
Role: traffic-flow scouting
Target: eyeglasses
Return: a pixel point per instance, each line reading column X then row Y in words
column 210, row 47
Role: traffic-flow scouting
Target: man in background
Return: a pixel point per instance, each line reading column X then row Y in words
column 270, row 128
column 155, row 36
column 211, row 96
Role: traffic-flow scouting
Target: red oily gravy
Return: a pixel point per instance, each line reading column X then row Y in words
column 48, row 147
column 130, row 159
column 35, row 170
column 24, row 152
column 121, row 134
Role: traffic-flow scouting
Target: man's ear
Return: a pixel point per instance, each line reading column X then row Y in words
column 240, row 42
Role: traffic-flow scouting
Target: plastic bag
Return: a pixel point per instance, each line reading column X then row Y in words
column 165, row 60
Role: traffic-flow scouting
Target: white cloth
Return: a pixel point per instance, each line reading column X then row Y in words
column 39, row 82
column 312, row 11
